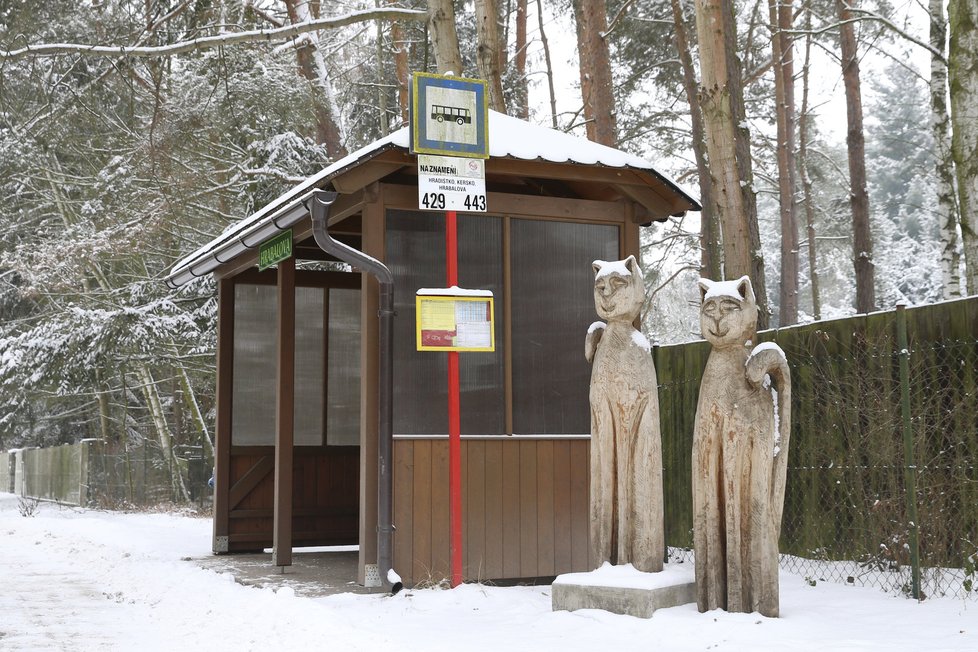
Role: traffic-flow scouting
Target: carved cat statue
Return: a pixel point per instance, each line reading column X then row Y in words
column 626, row 450
column 740, row 452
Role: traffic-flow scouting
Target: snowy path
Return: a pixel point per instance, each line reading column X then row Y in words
column 81, row 580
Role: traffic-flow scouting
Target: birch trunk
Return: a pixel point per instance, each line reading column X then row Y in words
column 862, row 239
column 944, row 165
column 963, row 73
column 151, row 393
column 784, row 90
column 190, row 401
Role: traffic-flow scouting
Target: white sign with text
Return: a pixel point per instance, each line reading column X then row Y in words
column 451, row 183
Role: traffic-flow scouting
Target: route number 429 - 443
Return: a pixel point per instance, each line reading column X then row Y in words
column 439, row 201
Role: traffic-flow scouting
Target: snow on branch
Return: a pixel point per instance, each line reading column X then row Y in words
column 868, row 15
column 218, row 40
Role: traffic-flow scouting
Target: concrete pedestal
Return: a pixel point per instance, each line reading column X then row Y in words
column 624, row 590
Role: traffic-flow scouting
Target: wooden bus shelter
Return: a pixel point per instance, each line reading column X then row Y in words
column 297, row 358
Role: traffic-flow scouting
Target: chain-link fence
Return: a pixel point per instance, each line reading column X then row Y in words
column 142, row 475
column 871, row 499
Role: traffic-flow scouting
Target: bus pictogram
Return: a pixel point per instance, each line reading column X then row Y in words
column 457, row 114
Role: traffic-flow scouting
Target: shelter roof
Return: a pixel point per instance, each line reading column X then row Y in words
column 550, row 154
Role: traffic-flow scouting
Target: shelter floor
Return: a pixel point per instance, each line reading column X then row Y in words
column 312, row 574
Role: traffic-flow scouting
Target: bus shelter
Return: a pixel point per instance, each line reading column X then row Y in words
column 297, row 434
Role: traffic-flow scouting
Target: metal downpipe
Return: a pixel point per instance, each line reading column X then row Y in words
column 319, row 212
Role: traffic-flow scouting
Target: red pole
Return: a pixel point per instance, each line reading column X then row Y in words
column 454, row 428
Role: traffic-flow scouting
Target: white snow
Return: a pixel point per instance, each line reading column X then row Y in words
column 392, row 576
column 82, row 581
column 722, row 288
column 642, row 342
column 627, row 576
column 606, row 267
column 453, row 291
column 596, row 326
column 767, row 346
column 508, row 137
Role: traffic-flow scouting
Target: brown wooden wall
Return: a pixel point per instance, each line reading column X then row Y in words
column 524, row 508
column 325, row 489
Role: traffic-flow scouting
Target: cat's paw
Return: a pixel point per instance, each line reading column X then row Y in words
column 594, row 334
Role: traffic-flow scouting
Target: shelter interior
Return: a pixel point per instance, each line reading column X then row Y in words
column 524, row 407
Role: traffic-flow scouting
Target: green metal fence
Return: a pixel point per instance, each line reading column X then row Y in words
column 867, row 451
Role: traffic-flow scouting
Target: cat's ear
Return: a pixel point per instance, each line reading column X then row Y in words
column 744, row 289
column 632, row 266
column 705, row 285
column 597, row 265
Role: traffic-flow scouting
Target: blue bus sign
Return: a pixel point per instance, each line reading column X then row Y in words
column 449, row 116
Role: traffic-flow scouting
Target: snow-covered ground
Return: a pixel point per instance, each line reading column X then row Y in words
column 79, row 580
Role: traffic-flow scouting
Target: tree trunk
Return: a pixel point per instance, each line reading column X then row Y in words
column 963, row 69
column 401, row 71
column 165, row 439
column 550, row 68
column 728, row 148
column 710, row 254
column 782, row 57
column 806, row 179
column 488, row 51
column 522, row 98
column 444, row 38
column 947, row 218
column 313, row 67
column 862, row 238
column 597, row 92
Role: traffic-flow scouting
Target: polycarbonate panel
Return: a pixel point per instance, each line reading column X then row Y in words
column 309, row 360
column 255, row 363
column 343, row 374
column 553, row 306
column 415, row 253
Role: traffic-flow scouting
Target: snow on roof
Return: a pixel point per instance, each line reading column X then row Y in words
column 508, row 137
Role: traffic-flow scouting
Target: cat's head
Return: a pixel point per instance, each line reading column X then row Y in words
column 619, row 289
column 728, row 313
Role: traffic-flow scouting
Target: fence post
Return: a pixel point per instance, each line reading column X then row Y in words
column 909, row 467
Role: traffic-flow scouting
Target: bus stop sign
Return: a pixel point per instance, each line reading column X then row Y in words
column 449, row 116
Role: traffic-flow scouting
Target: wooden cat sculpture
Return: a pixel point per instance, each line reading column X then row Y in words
column 740, row 452
column 626, row 450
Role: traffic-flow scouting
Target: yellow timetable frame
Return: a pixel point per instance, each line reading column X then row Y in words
column 437, row 318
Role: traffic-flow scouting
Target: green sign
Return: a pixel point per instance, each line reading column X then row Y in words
column 275, row 250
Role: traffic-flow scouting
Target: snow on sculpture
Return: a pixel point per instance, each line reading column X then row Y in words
column 626, row 450
column 740, row 452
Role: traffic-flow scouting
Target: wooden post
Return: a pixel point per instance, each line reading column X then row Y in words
column 222, row 437
column 910, row 467
column 284, row 416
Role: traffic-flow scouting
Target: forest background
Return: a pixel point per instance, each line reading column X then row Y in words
column 836, row 190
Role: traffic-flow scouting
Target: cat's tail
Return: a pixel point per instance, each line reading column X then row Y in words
column 779, row 470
